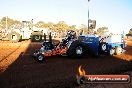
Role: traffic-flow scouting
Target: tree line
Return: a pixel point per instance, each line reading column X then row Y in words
column 61, row 26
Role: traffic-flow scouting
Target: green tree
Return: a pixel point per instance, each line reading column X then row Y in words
column 50, row 25
column 102, row 30
column 40, row 24
column 6, row 21
column 130, row 32
column 10, row 23
column 72, row 27
column 84, row 29
column 61, row 26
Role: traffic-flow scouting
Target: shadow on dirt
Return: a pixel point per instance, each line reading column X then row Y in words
column 58, row 71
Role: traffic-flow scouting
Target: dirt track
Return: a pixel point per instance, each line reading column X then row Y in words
column 20, row 70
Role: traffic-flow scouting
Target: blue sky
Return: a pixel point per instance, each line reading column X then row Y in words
column 115, row 14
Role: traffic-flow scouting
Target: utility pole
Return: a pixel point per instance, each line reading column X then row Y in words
column 88, row 16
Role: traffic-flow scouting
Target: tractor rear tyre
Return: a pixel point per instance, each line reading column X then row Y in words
column 76, row 50
column 14, row 36
column 36, row 38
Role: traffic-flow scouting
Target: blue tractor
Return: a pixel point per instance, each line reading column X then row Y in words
column 113, row 44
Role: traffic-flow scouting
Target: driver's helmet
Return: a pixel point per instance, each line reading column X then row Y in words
column 71, row 34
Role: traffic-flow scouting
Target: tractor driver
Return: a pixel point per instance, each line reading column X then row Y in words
column 70, row 35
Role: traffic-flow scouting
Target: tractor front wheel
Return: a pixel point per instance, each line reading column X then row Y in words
column 118, row 50
column 112, row 51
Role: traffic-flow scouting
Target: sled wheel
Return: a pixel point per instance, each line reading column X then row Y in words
column 40, row 58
